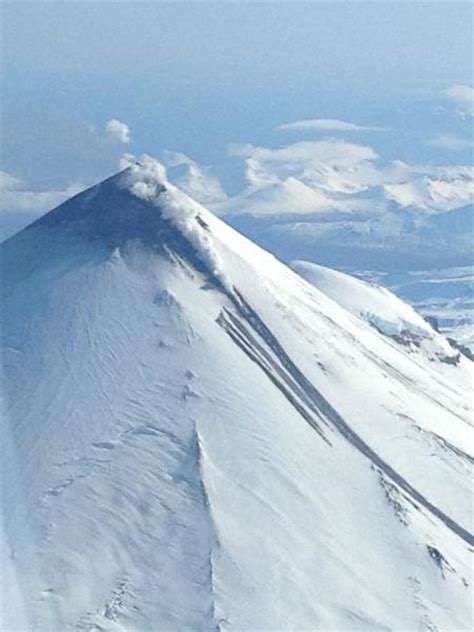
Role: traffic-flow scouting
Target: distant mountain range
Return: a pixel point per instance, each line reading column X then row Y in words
column 394, row 240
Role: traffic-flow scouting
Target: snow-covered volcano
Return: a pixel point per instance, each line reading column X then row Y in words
column 195, row 438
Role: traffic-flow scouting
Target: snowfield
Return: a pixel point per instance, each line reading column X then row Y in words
column 196, row 438
column 445, row 295
column 386, row 313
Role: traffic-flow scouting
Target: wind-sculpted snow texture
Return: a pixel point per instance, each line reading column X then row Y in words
column 196, row 438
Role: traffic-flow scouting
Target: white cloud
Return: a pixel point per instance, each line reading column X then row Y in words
column 8, row 182
column 193, row 179
column 35, row 201
column 127, row 160
column 451, row 142
column 118, row 131
column 332, row 165
column 16, row 196
column 328, row 125
column 304, row 178
column 462, row 96
column 240, row 150
column 333, row 175
column 19, row 205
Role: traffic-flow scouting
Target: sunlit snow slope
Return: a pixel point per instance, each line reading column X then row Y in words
column 388, row 315
column 196, row 438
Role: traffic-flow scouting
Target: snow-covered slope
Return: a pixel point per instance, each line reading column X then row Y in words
column 445, row 295
column 385, row 312
column 196, row 438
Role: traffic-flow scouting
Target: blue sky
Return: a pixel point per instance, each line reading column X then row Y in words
column 198, row 77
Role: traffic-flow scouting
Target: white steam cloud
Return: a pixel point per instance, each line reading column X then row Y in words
column 146, row 178
column 117, row 131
